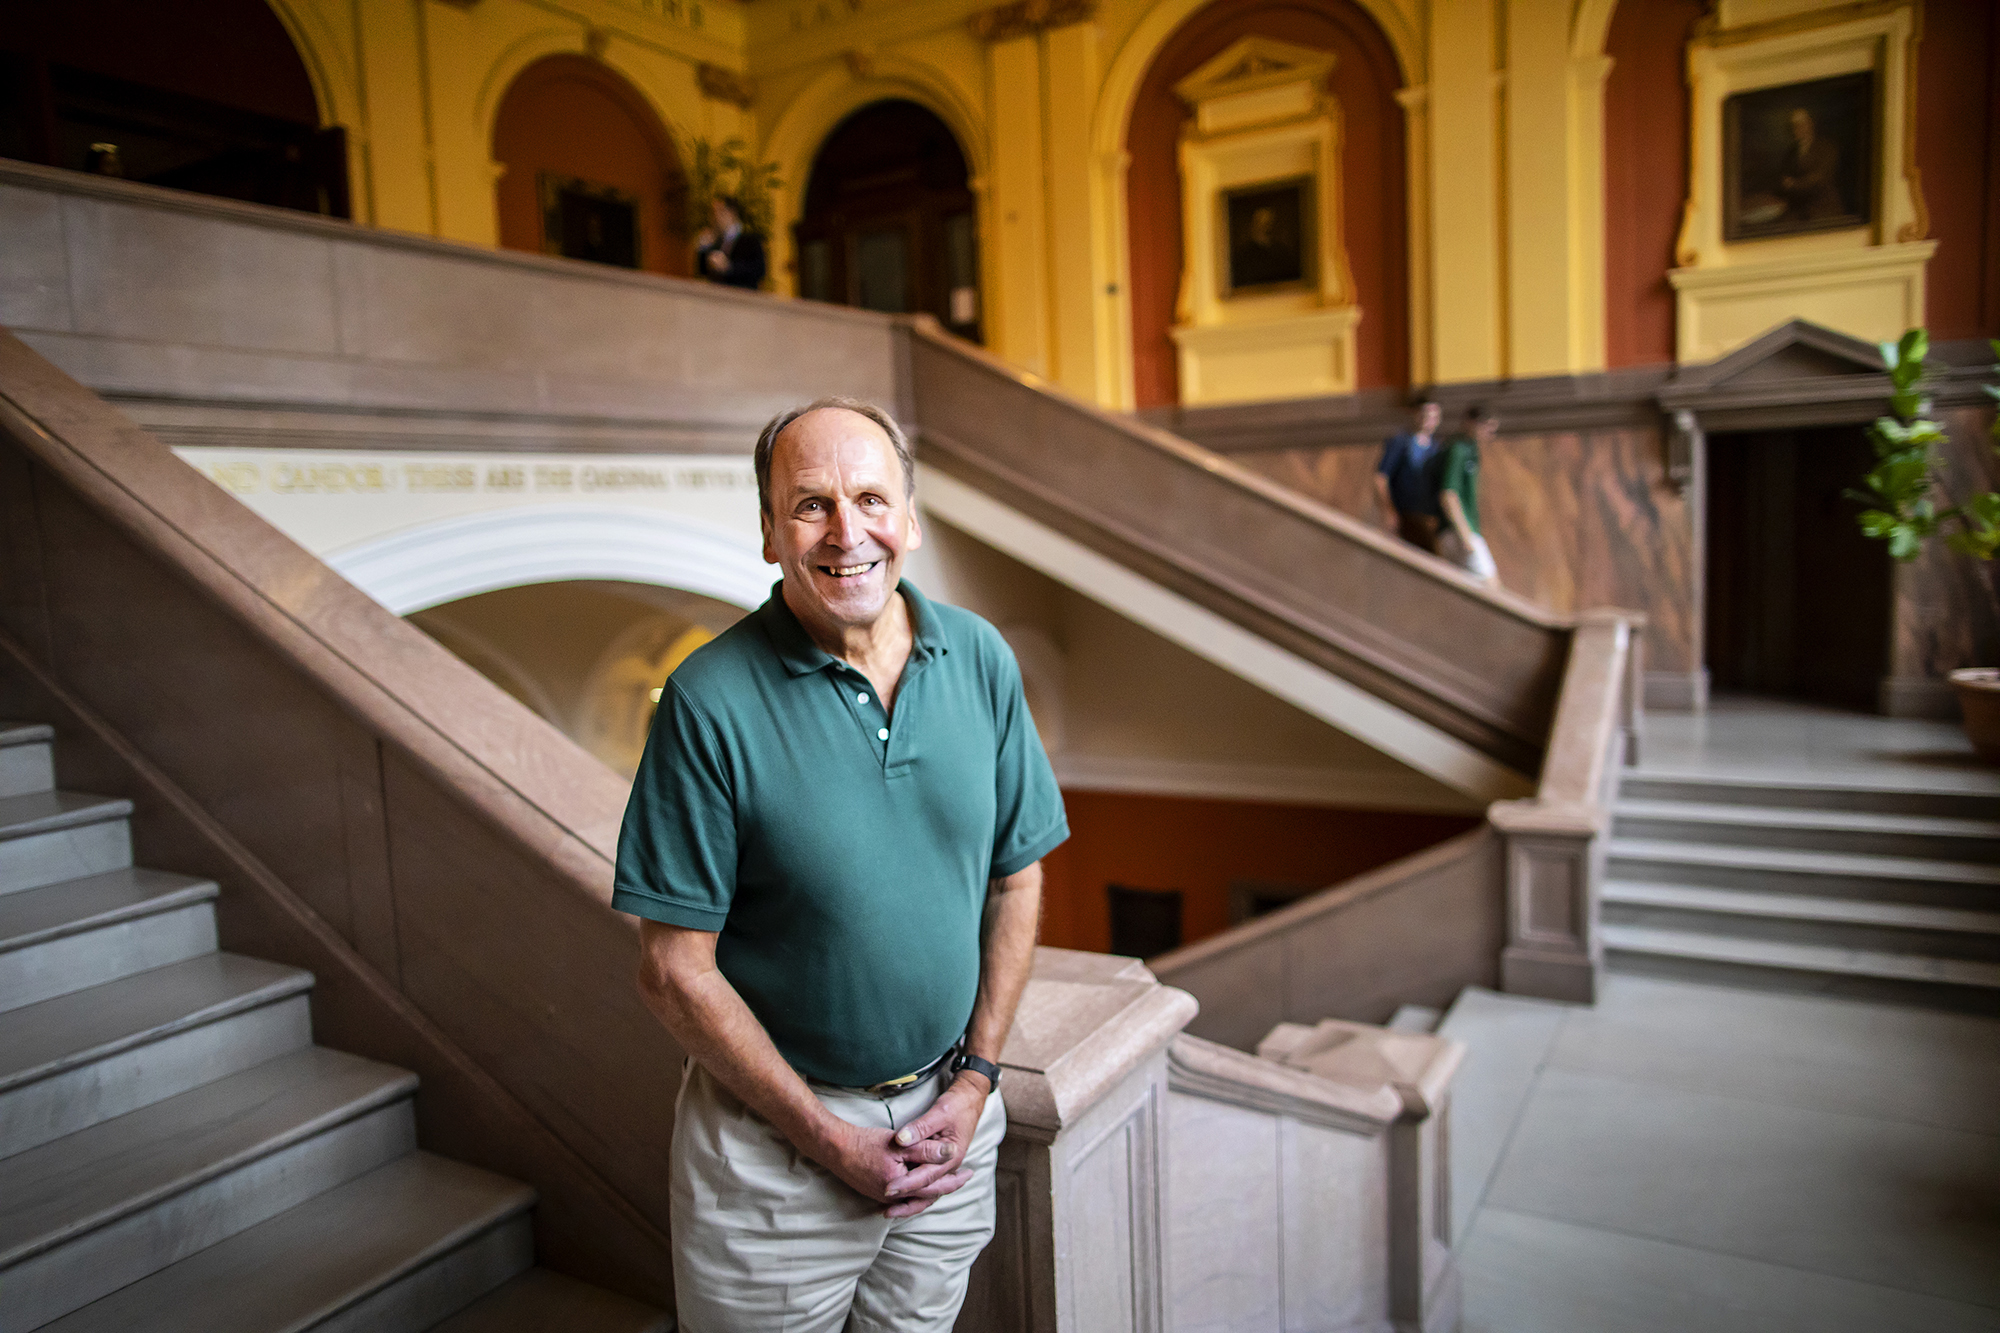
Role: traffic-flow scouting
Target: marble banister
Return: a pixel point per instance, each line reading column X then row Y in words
column 1309, row 1180
column 1555, row 839
column 1477, row 663
column 1079, row 1245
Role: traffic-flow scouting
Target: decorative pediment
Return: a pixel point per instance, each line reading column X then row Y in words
column 1793, row 351
column 1251, row 64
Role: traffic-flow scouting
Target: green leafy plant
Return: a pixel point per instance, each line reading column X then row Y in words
column 1907, row 479
column 729, row 168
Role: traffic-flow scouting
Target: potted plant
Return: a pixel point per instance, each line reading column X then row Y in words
column 1903, row 491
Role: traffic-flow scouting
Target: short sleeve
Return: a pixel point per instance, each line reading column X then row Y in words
column 1392, row 453
column 677, row 846
column 1029, row 821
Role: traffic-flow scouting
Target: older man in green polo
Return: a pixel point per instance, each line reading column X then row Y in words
column 835, row 841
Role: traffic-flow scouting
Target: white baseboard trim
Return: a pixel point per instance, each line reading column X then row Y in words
column 1280, row 784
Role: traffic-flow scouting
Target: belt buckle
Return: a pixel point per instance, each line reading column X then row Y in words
column 891, row 1085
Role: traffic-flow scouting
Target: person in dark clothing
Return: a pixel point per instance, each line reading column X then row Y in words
column 729, row 252
column 1406, row 481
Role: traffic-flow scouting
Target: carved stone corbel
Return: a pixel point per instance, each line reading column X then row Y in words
column 726, row 85
column 1025, row 18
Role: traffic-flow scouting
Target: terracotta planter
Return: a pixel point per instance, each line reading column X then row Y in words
column 1979, row 699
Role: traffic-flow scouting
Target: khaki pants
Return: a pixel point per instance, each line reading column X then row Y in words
column 766, row 1239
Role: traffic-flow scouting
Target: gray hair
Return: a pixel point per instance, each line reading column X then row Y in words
column 767, row 440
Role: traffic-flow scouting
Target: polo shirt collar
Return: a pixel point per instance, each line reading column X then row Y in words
column 802, row 656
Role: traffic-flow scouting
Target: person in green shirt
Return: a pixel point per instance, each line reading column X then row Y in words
column 1457, row 472
column 834, row 843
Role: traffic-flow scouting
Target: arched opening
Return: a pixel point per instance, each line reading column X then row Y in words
column 1364, row 81
column 889, row 222
column 210, row 98
column 588, row 656
column 589, row 172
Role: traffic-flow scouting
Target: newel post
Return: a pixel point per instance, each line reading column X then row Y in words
column 1555, row 841
column 1554, row 864
column 1080, row 1244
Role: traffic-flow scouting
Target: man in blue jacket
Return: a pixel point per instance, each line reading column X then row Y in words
column 1406, row 480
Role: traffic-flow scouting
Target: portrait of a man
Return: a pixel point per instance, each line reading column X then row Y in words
column 1266, row 229
column 1798, row 158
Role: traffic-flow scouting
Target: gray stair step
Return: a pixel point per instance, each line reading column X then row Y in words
column 80, row 933
column 1863, row 832
column 1976, row 984
column 48, row 836
column 539, row 1301
column 70, row 1062
column 396, row 1251
column 85, row 1214
column 27, row 758
column 1827, row 874
column 1858, row 923
column 1977, row 800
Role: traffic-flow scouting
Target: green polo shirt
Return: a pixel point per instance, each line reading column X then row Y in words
column 1460, row 474
column 841, row 854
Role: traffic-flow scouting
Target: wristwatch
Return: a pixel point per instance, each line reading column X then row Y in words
column 967, row 1060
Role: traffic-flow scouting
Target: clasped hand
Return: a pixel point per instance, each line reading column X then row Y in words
column 911, row 1168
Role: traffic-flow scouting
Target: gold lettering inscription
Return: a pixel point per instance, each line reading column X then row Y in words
column 713, row 478
column 440, row 476
column 506, row 479
column 550, row 477
column 241, row 478
column 624, row 479
column 329, row 478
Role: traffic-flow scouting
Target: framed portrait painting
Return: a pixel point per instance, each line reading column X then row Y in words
column 1800, row 158
column 1267, row 231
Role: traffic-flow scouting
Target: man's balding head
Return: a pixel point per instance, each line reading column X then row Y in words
column 767, row 441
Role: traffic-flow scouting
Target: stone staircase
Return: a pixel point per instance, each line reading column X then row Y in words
column 1886, row 893
column 176, row 1154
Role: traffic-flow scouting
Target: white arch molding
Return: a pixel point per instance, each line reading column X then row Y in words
column 427, row 566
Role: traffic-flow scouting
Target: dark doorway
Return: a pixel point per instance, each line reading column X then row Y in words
column 1144, row 922
column 209, row 98
column 889, row 221
column 1798, row 599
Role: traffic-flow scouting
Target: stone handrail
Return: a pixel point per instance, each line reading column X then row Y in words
column 1311, row 1177
column 1512, row 904
column 440, row 858
column 1479, row 664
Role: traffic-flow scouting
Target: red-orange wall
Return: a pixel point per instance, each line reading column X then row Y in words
column 1645, row 174
column 1364, row 81
column 1198, row 846
column 574, row 117
column 1958, row 159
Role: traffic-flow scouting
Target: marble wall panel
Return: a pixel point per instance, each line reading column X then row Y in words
column 171, row 277
column 1227, row 1233
column 1576, row 519
column 34, row 284
column 1336, row 1207
column 1947, row 606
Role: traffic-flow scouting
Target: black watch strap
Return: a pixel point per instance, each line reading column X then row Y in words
column 966, row 1060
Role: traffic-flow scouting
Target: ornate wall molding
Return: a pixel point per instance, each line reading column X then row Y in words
column 1025, row 18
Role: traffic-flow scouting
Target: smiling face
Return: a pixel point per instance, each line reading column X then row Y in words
column 840, row 521
column 1427, row 417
